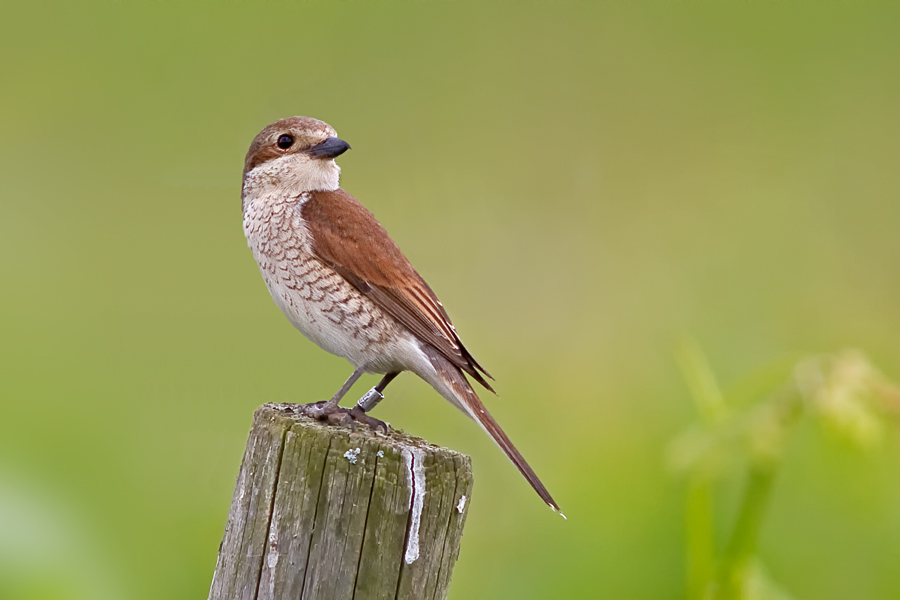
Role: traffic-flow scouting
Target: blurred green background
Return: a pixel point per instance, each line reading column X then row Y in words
column 582, row 184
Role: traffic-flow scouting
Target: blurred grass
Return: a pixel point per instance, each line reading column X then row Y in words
column 578, row 182
column 843, row 391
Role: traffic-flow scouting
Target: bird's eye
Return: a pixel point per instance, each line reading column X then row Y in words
column 285, row 141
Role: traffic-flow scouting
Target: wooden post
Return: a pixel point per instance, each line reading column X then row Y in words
column 323, row 512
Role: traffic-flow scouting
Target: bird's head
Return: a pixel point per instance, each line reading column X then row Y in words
column 296, row 154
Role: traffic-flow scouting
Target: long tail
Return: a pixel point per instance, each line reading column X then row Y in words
column 450, row 382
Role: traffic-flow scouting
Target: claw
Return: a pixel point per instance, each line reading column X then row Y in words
column 359, row 415
column 338, row 415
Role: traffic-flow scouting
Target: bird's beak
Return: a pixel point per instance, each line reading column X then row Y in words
column 330, row 148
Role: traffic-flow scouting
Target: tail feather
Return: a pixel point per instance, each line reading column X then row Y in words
column 450, row 381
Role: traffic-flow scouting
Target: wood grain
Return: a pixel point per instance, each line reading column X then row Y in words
column 322, row 512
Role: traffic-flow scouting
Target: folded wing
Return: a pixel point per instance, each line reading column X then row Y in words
column 348, row 238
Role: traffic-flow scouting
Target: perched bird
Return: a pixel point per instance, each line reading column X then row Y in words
column 341, row 280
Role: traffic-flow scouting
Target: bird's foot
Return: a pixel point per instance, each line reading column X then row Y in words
column 360, row 416
column 338, row 415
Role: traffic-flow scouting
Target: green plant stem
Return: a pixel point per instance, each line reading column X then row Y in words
column 741, row 549
column 737, row 561
column 699, row 536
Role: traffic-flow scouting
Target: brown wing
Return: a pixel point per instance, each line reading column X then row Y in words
column 348, row 238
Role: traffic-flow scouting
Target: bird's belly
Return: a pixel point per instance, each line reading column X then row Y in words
column 331, row 313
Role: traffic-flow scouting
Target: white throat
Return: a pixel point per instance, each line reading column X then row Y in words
column 291, row 176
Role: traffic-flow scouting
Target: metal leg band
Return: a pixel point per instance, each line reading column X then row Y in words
column 370, row 399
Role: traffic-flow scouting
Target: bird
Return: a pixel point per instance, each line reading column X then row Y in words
column 340, row 279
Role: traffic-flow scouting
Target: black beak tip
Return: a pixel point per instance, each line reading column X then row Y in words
column 330, row 148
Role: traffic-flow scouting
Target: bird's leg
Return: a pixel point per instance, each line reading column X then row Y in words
column 336, row 399
column 368, row 402
column 331, row 410
column 376, row 394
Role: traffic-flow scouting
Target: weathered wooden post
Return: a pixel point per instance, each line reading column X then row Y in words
column 323, row 512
